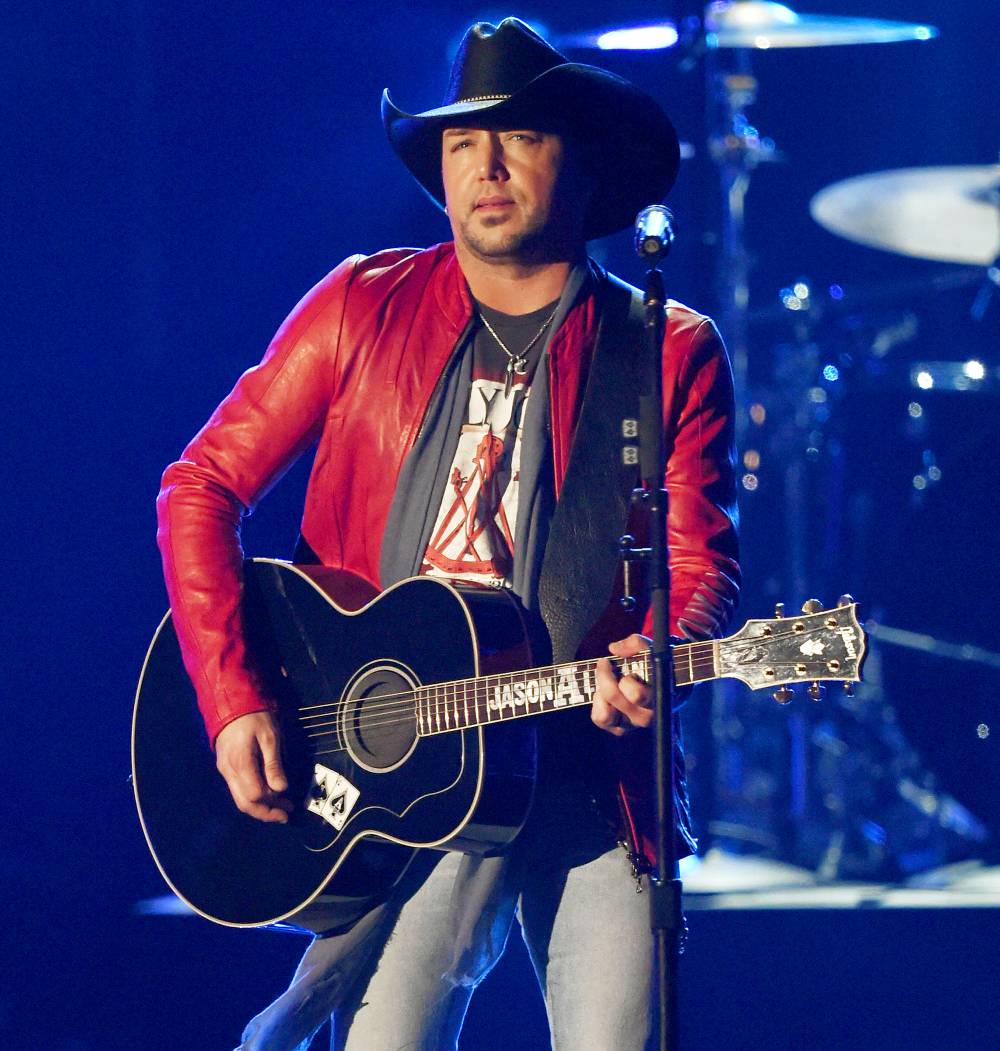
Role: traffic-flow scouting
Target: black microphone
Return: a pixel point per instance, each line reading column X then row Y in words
column 654, row 233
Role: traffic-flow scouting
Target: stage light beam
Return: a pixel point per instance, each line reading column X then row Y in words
column 639, row 38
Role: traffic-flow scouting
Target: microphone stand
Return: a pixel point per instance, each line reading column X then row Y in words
column 653, row 239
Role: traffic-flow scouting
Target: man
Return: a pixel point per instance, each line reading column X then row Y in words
column 449, row 391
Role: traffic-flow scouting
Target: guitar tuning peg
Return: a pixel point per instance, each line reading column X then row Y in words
column 783, row 694
column 812, row 605
column 779, row 610
column 848, row 689
column 845, row 600
column 816, row 691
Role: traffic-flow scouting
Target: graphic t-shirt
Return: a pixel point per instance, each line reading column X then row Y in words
column 473, row 535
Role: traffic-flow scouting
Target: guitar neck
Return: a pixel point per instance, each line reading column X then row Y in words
column 445, row 707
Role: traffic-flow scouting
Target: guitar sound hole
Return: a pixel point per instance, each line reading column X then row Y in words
column 380, row 724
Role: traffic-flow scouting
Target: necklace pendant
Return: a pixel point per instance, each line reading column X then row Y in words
column 520, row 364
column 508, row 379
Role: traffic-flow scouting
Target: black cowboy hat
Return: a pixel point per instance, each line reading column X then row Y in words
column 507, row 75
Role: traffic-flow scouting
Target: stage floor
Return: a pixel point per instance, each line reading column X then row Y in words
column 729, row 881
column 775, row 961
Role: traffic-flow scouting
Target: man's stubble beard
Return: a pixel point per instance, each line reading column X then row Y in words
column 516, row 245
column 532, row 244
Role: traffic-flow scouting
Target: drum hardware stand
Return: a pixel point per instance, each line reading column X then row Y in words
column 737, row 148
column 654, row 237
column 987, row 291
column 878, row 791
column 991, row 280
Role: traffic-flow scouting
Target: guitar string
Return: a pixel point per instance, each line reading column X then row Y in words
column 384, row 724
column 386, row 704
column 407, row 713
column 436, row 697
column 687, row 660
column 408, row 707
column 681, row 664
column 705, row 658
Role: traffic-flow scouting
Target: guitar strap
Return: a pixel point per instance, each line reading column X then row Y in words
column 581, row 555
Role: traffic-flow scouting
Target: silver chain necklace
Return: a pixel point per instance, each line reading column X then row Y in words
column 516, row 362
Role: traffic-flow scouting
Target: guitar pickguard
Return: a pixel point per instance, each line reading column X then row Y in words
column 331, row 796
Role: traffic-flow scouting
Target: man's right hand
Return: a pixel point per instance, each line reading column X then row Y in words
column 248, row 755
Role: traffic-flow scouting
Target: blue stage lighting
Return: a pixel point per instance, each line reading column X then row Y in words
column 639, row 38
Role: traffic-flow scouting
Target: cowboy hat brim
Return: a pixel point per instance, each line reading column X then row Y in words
column 630, row 146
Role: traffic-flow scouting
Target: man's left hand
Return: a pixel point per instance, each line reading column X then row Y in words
column 625, row 703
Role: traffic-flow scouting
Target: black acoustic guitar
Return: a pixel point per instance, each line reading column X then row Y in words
column 405, row 720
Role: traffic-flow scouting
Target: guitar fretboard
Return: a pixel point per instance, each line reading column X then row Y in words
column 460, row 705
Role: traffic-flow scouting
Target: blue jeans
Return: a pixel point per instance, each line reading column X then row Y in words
column 402, row 978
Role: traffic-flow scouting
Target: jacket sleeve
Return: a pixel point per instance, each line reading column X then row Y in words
column 701, row 484
column 274, row 413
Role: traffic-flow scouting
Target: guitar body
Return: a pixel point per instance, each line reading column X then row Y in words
column 403, row 719
column 343, row 666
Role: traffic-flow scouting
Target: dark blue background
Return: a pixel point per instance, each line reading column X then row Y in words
column 175, row 176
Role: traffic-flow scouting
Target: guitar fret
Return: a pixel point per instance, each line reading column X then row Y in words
column 495, row 699
column 681, row 674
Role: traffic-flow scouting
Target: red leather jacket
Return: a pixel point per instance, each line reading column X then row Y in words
column 353, row 368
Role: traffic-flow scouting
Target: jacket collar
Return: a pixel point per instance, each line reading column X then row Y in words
column 451, row 290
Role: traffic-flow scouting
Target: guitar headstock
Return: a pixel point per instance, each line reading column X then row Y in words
column 818, row 645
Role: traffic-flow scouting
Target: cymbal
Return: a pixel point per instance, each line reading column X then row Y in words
column 762, row 24
column 951, row 214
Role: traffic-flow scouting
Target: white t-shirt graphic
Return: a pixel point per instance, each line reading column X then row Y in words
column 473, row 534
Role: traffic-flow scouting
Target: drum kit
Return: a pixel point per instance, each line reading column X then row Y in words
column 840, row 793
